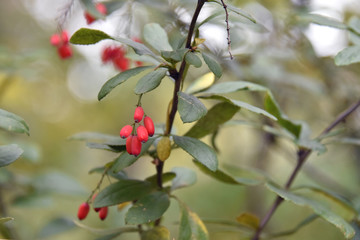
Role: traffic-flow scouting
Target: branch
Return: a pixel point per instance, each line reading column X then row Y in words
column 227, row 28
column 303, row 154
column 64, row 14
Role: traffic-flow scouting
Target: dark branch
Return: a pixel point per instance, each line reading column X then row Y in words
column 227, row 28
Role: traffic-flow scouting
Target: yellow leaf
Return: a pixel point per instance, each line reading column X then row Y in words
column 249, row 220
column 163, row 148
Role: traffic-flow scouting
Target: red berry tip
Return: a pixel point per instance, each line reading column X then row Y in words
column 142, row 134
column 103, row 213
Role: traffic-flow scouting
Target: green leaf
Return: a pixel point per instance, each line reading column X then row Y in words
column 199, row 150
column 201, row 83
column 156, row 36
column 156, row 233
column 174, row 56
column 236, row 10
column 139, row 48
column 322, row 20
column 213, row 65
column 9, row 153
column 272, row 107
column 12, row 122
column 125, row 159
column 148, row 208
column 5, row 219
column 122, row 191
column 101, row 146
column 32, row 200
column 244, row 105
column 318, row 208
column 217, row 115
column 56, row 226
column 119, row 79
column 166, row 177
column 87, row 36
column 354, row 24
column 107, row 139
column 184, row 177
column 191, row 226
column 190, row 108
column 218, row 174
column 192, row 59
column 150, row 81
column 229, row 87
column 348, row 56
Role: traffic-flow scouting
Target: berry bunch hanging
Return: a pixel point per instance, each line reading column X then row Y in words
column 61, row 41
column 134, row 139
column 84, row 210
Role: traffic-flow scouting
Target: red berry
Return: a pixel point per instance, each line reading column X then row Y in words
column 103, row 213
column 65, row 37
column 135, row 146
column 55, row 40
column 139, row 114
column 93, row 199
column 106, row 55
column 128, row 144
column 142, row 134
column 65, row 51
column 126, row 131
column 101, row 8
column 83, row 210
column 121, row 63
column 149, row 125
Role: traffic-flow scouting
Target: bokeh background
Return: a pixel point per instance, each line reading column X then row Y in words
column 58, row 98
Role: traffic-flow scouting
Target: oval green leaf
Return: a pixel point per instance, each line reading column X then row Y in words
column 150, row 81
column 118, row 79
column 12, row 122
column 213, row 65
column 87, row 36
column 198, row 150
column 348, row 56
column 217, row 115
column 156, row 37
column 192, row 59
column 9, row 153
column 322, row 20
column 190, row 108
column 148, row 208
column 122, row 191
column 318, row 208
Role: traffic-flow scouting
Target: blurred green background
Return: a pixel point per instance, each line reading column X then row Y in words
column 58, row 98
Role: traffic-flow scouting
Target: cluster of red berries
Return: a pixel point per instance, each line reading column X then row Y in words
column 135, row 140
column 61, row 41
column 101, row 8
column 116, row 56
column 85, row 208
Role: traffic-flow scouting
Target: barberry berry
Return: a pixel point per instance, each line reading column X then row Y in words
column 142, row 134
column 83, row 210
column 65, row 51
column 126, row 131
column 149, row 125
column 128, row 144
column 103, row 213
column 55, row 40
column 139, row 114
column 135, row 146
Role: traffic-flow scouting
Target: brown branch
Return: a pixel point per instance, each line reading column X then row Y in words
column 227, row 28
column 64, row 14
column 303, row 154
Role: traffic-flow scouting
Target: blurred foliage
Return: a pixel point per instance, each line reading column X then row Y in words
column 41, row 191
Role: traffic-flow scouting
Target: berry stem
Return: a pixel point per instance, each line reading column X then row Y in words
column 139, row 101
column 98, row 185
column 302, row 156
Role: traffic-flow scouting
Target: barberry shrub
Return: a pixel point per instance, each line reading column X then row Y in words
column 210, row 104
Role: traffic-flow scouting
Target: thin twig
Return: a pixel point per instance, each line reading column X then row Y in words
column 303, row 154
column 64, row 14
column 227, row 28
